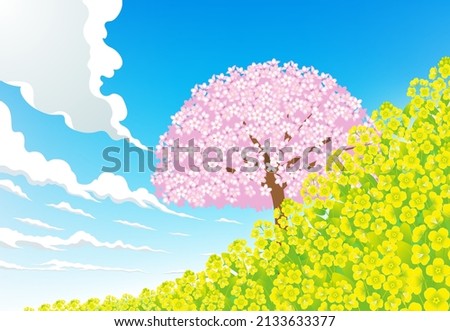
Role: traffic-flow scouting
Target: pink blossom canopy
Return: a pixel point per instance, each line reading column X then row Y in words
column 292, row 107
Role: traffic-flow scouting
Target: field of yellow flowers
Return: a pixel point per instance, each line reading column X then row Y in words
column 372, row 237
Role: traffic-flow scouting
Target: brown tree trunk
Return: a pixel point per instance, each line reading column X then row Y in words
column 277, row 194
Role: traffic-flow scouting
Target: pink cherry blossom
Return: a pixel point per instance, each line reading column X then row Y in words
column 293, row 107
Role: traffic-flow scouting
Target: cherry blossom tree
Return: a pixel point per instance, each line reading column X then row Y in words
column 245, row 139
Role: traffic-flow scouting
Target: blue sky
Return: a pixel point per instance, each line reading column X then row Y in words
column 373, row 48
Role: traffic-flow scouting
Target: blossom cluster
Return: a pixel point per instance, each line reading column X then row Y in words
column 292, row 107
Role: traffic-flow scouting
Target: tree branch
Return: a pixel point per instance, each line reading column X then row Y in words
column 255, row 142
column 288, row 137
column 230, row 170
column 293, row 161
column 352, row 147
column 311, row 165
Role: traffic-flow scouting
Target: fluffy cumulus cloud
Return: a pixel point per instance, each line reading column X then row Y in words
column 60, row 59
column 13, row 239
column 65, row 206
column 109, row 185
column 15, row 160
column 9, row 186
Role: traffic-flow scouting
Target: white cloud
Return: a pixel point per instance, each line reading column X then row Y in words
column 9, row 186
column 16, row 160
column 226, row 220
column 61, row 58
column 65, row 206
column 37, row 223
column 135, row 225
column 175, row 272
column 13, row 238
column 109, row 185
column 179, row 234
column 11, row 266
column 58, row 265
